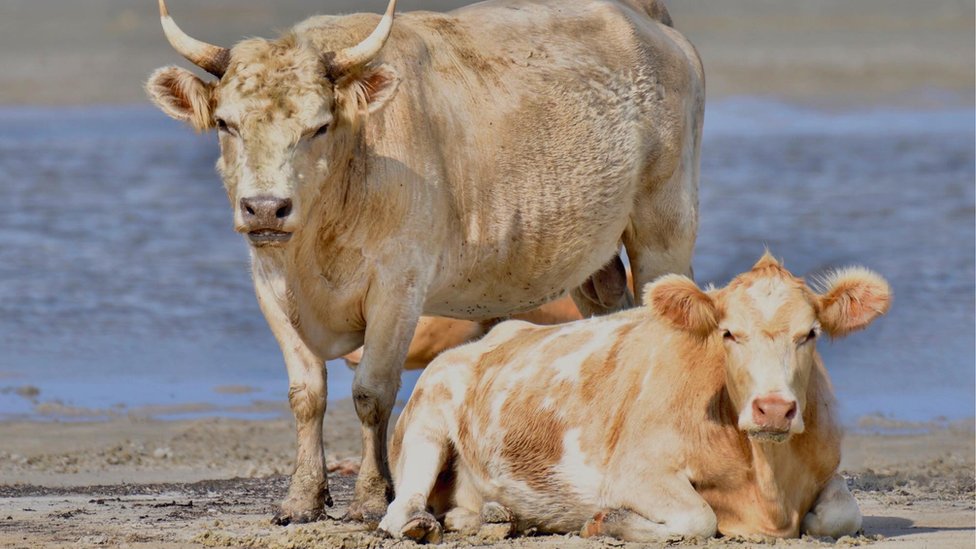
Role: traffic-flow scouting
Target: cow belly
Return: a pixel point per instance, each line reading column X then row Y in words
column 504, row 282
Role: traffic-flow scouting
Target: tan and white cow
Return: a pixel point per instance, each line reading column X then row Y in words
column 471, row 164
column 700, row 412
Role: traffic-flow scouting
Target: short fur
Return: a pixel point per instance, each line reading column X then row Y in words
column 638, row 425
column 485, row 162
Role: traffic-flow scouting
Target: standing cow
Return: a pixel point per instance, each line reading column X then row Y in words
column 471, row 164
column 702, row 411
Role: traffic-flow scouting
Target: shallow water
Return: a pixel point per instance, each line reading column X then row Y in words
column 123, row 285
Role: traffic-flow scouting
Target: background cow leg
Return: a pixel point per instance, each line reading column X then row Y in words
column 390, row 325
column 605, row 291
column 309, row 489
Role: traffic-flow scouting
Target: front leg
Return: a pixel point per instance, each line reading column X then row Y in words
column 309, row 489
column 835, row 513
column 654, row 508
column 392, row 312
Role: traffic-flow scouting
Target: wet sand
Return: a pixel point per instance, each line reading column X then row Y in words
column 215, row 482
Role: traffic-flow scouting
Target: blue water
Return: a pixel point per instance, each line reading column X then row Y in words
column 123, row 285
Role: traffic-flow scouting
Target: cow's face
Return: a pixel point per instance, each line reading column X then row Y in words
column 287, row 116
column 768, row 323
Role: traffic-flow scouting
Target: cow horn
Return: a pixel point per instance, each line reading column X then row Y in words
column 208, row 57
column 365, row 51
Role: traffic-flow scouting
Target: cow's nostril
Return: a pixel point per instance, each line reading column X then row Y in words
column 284, row 211
column 249, row 210
column 792, row 412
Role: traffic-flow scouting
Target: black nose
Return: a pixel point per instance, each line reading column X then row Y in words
column 265, row 212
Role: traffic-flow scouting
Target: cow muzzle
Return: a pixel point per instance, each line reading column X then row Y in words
column 264, row 218
column 772, row 418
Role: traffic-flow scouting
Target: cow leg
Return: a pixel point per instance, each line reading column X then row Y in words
column 309, row 489
column 669, row 508
column 423, row 453
column 660, row 238
column 835, row 512
column 390, row 325
column 605, row 291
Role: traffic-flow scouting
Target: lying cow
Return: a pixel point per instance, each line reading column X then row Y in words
column 702, row 412
column 473, row 164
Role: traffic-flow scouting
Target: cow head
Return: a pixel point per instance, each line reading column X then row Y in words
column 287, row 113
column 768, row 323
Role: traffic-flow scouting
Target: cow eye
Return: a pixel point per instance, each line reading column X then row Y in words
column 321, row 131
column 809, row 337
column 727, row 336
column 223, row 126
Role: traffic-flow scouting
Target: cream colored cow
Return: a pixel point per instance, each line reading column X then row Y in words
column 700, row 412
column 472, row 164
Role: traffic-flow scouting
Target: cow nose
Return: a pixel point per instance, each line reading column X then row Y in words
column 265, row 211
column 773, row 412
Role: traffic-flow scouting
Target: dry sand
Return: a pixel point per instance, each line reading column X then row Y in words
column 214, row 482
column 828, row 51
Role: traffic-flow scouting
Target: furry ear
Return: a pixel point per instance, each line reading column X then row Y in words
column 678, row 300
column 852, row 299
column 367, row 90
column 181, row 95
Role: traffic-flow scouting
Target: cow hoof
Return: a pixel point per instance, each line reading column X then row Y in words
column 369, row 512
column 594, row 526
column 284, row 518
column 422, row 527
column 301, row 510
column 496, row 513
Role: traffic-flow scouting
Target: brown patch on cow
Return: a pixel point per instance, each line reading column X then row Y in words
column 533, row 441
column 619, row 421
column 596, row 372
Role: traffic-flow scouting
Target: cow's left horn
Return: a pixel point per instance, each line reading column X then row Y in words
column 208, row 57
column 365, row 51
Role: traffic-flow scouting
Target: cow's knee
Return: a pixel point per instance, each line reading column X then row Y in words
column 373, row 404
column 833, row 517
column 702, row 524
column 835, row 512
column 307, row 401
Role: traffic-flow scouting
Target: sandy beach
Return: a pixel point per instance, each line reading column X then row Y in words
column 139, row 482
column 134, row 479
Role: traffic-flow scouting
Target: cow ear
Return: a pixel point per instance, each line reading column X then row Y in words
column 852, row 299
column 369, row 89
column 682, row 304
column 181, row 95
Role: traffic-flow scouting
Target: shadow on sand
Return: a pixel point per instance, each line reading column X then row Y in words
column 893, row 527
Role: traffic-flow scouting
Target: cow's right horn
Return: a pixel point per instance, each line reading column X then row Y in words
column 213, row 59
column 365, row 51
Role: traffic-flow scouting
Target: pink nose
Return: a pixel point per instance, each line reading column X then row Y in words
column 774, row 413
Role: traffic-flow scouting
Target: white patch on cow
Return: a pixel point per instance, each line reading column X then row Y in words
column 585, row 479
column 568, row 366
column 767, row 296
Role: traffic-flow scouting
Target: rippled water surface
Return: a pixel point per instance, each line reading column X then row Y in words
column 122, row 283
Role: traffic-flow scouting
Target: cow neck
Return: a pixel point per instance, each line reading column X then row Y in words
column 785, row 477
